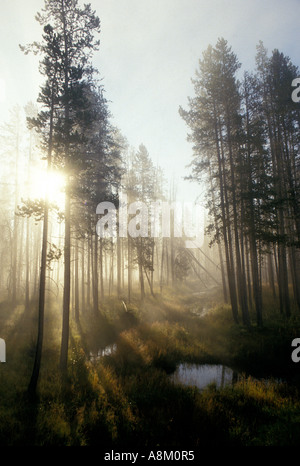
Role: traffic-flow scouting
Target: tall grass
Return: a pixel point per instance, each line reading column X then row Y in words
column 127, row 398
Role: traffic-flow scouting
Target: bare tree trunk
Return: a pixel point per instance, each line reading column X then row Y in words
column 76, row 281
column 129, row 265
column 237, row 233
column 152, row 260
column 67, row 285
column 67, row 243
column 111, row 269
column 40, row 336
column 16, row 224
column 149, row 282
column 42, row 287
column 119, row 264
column 83, row 276
column 162, row 264
column 295, row 275
column 140, row 246
column 95, row 278
column 89, row 267
column 224, row 285
column 271, row 274
column 101, row 269
column 27, row 266
column 226, row 229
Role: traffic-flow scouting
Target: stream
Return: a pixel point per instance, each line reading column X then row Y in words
column 100, row 353
column 199, row 375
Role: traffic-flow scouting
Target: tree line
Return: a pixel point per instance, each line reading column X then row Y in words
column 69, row 132
column 245, row 134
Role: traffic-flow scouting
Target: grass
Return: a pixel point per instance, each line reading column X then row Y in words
column 127, row 398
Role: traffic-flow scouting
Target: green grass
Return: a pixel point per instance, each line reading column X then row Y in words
column 127, row 398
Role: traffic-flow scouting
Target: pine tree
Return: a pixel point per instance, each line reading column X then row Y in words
column 213, row 118
column 68, row 43
column 275, row 75
column 142, row 191
column 44, row 124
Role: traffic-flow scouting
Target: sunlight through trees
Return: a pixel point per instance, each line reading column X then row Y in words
column 100, row 258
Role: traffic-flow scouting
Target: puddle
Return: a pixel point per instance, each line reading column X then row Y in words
column 100, row 353
column 199, row 312
column 201, row 375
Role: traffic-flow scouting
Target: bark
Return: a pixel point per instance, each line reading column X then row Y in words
column 129, row 265
column 67, row 285
column 95, row 278
column 67, row 238
column 83, row 304
column 76, row 281
column 42, row 286
column 225, row 227
column 140, row 263
column 101, row 269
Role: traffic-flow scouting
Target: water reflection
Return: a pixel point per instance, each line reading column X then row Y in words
column 201, row 375
column 100, row 353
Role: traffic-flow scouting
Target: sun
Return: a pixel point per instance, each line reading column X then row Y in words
column 51, row 184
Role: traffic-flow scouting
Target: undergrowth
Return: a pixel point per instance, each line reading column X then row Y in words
column 128, row 398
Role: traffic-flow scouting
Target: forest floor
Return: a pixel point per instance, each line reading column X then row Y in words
column 120, row 392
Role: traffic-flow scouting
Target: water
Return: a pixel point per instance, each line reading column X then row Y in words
column 201, row 375
column 100, row 353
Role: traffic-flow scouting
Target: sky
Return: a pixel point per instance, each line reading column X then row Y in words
column 149, row 51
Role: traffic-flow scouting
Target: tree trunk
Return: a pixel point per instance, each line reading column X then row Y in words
column 119, row 264
column 67, row 243
column 101, row 269
column 76, row 281
column 226, row 230
column 129, row 268
column 83, row 276
column 67, row 285
column 42, row 287
column 140, row 246
column 40, row 336
column 95, row 278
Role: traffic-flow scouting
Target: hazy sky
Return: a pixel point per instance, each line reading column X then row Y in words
column 149, row 52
